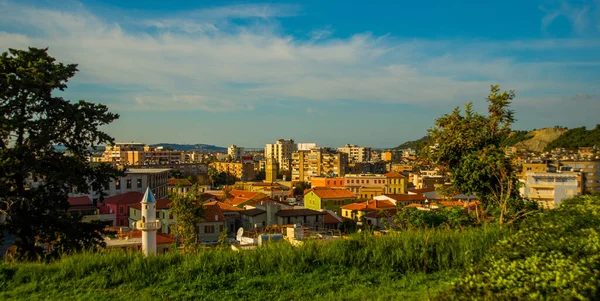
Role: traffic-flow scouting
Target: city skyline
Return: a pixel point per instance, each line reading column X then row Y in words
column 331, row 73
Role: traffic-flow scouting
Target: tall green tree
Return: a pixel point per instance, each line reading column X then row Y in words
column 467, row 145
column 33, row 122
column 189, row 211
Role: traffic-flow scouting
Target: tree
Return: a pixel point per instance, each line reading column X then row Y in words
column 467, row 145
column 300, row 187
column 213, row 174
column 188, row 211
column 33, row 122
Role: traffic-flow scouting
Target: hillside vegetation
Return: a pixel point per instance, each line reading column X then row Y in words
column 363, row 267
column 537, row 140
column 577, row 137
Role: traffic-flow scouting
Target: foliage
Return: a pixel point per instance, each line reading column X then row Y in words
column 300, row 187
column 189, row 211
column 468, row 146
column 417, row 144
column 516, row 137
column 32, row 122
column 451, row 217
column 555, row 255
column 577, row 137
column 363, row 267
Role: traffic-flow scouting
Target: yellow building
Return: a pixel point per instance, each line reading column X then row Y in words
column 591, row 173
column 369, row 192
column 241, row 171
column 396, row 183
column 356, row 211
column 316, row 163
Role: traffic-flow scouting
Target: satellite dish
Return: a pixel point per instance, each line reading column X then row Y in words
column 240, row 232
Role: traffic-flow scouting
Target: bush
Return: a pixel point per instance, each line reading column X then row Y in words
column 554, row 255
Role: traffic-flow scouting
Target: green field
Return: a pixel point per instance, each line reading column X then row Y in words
column 363, row 267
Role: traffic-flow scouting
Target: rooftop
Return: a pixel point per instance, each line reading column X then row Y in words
column 146, row 170
column 125, row 198
column 331, row 193
column 372, row 205
column 298, row 212
column 252, row 212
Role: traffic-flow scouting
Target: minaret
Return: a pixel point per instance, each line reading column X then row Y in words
column 149, row 224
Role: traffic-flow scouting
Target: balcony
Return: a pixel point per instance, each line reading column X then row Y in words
column 148, row 225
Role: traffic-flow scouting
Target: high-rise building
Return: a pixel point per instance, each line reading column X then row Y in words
column 316, row 163
column 133, row 153
column 356, row 154
column 306, row 146
column 235, row 152
column 281, row 151
column 548, row 189
column 271, row 170
column 591, row 173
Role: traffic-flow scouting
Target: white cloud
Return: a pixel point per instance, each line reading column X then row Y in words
column 201, row 61
column 577, row 13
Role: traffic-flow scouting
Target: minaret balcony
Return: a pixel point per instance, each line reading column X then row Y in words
column 148, row 226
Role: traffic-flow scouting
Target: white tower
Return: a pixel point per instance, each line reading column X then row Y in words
column 149, row 224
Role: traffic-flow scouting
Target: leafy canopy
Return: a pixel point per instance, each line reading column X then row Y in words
column 35, row 179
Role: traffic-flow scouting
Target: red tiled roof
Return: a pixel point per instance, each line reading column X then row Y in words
column 298, row 212
column 330, row 218
column 393, row 174
column 422, row 190
column 160, row 204
column 406, row 197
column 331, row 193
column 224, row 206
column 372, row 205
column 80, row 201
column 382, row 213
column 244, row 194
column 182, row 182
column 125, row 198
column 213, row 213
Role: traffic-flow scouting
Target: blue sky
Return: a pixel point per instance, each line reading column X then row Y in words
column 372, row 73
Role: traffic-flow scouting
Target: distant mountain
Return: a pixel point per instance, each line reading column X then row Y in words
column 192, row 147
column 412, row 144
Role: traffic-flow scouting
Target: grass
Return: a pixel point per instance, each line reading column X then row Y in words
column 363, row 267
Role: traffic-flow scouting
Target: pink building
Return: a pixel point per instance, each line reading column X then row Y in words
column 119, row 206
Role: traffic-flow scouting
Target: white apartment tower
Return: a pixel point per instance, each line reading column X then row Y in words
column 149, row 224
column 281, row 151
column 235, row 152
column 356, row 154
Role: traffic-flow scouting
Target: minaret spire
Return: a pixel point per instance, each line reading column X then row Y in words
column 149, row 224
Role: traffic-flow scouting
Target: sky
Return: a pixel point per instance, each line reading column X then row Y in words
column 372, row 73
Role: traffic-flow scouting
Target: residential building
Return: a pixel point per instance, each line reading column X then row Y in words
column 241, row 171
column 367, row 167
column 306, row 146
column 118, row 206
column 548, row 189
column 281, row 151
column 212, row 224
column 354, row 182
column 325, row 198
column 134, row 153
column 305, row 217
column 356, row 154
column 179, row 186
column 195, row 169
column 235, row 152
column 400, row 167
column 241, row 198
column 396, row 183
column 316, row 163
column 338, row 182
column 331, row 220
column 231, row 214
column 369, row 192
column 402, row 199
column 253, row 218
column 356, row 211
column 591, row 173
column 421, row 180
column 391, row 155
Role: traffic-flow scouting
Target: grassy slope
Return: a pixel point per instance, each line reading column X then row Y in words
column 360, row 268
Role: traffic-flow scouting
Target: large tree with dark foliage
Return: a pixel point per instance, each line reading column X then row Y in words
column 35, row 178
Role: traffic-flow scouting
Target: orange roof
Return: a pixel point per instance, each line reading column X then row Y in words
column 414, row 205
column 244, row 194
column 406, row 197
column 79, row 201
column 125, row 198
column 330, row 218
column 423, row 190
column 382, row 213
column 393, row 174
column 182, row 182
column 224, row 206
column 372, row 205
column 331, row 193
column 213, row 214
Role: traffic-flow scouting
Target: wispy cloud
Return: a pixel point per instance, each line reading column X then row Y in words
column 581, row 14
column 201, row 61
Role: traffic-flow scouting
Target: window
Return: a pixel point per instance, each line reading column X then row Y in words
column 209, row 229
column 128, row 183
column 220, row 228
column 121, row 209
column 117, row 184
column 139, row 183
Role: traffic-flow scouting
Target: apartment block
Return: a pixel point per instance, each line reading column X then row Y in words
column 281, row 151
column 548, row 189
column 317, row 163
column 356, row 154
column 235, row 152
column 591, row 173
column 241, row 171
column 354, row 182
column 134, row 153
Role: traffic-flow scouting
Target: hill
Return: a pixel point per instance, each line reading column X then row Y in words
column 577, row 137
column 537, row 140
column 413, row 144
column 192, row 147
